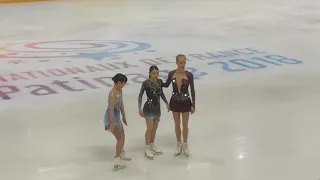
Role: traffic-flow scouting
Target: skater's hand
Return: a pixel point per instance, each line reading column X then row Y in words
column 192, row 110
column 141, row 113
column 112, row 127
column 124, row 120
column 168, row 107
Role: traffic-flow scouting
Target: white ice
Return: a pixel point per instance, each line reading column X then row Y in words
column 256, row 124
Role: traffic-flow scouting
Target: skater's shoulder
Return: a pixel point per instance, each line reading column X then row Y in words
column 145, row 82
column 172, row 71
column 112, row 92
column 160, row 80
column 188, row 73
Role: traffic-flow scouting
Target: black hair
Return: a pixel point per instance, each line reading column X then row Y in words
column 153, row 67
column 180, row 55
column 119, row 78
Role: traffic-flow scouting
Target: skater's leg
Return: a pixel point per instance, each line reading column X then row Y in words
column 148, row 153
column 176, row 117
column 118, row 134
column 123, row 138
column 185, row 125
column 154, row 130
column 154, row 148
column 124, row 155
column 148, row 134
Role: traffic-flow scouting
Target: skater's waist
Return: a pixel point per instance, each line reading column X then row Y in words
column 183, row 94
column 114, row 109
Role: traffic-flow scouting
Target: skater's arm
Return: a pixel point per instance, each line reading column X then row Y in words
column 122, row 106
column 168, row 82
column 142, row 89
column 112, row 100
column 193, row 93
column 162, row 94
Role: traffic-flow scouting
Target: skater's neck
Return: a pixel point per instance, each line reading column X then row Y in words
column 154, row 79
column 180, row 70
column 117, row 88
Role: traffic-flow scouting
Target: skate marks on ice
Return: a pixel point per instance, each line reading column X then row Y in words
column 164, row 166
column 168, row 162
column 167, row 165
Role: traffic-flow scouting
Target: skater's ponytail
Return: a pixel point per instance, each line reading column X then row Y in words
column 153, row 67
column 119, row 78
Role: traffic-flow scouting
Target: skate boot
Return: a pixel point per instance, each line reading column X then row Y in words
column 178, row 149
column 185, row 149
column 148, row 153
column 124, row 156
column 155, row 150
column 117, row 164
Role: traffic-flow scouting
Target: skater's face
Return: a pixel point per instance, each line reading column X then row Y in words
column 154, row 74
column 181, row 62
column 121, row 84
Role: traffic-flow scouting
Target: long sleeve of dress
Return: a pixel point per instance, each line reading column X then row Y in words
column 193, row 93
column 142, row 89
column 163, row 97
column 168, row 82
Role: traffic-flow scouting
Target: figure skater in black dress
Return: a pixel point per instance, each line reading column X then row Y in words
column 151, row 110
column 180, row 102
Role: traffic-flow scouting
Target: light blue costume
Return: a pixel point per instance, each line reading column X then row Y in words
column 117, row 106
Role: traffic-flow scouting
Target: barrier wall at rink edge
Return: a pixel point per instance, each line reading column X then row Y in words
column 20, row 1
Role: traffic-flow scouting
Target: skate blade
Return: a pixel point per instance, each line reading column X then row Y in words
column 126, row 159
column 157, row 153
column 187, row 155
column 118, row 167
column 151, row 158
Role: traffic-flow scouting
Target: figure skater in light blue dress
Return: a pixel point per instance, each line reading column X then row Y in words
column 112, row 119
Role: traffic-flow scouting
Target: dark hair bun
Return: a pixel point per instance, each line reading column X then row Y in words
column 119, row 78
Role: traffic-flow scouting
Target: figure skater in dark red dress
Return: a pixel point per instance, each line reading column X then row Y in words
column 180, row 102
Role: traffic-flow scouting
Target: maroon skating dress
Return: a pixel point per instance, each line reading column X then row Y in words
column 181, row 102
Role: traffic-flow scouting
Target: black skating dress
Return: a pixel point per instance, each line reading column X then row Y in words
column 151, row 108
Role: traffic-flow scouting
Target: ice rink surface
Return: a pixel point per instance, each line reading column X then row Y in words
column 257, row 88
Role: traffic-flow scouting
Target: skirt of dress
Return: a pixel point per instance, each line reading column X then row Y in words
column 151, row 111
column 178, row 104
column 151, row 116
column 117, row 119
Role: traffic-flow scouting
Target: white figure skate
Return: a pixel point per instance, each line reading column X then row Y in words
column 125, row 156
column 178, row 149
column 117, row 164
column 148, row 153
column 185, row 149
column 155, row 150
